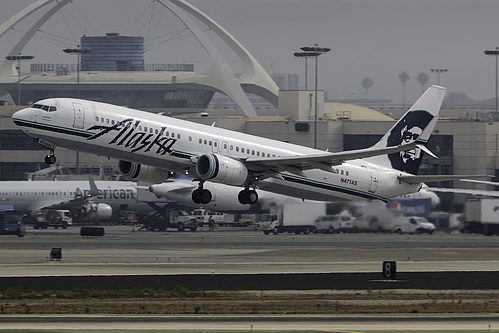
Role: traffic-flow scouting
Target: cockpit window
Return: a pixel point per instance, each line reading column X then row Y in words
column 44, row 107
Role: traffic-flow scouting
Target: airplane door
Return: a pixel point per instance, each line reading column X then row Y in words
column 374, row 180
column 214, row 147
column 79, row 115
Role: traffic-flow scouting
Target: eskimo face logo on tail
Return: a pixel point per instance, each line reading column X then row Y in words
column 407, row 130
column 130, row 136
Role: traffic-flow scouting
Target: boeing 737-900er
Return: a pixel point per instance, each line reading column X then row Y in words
column 149, row 146
column 79, row 197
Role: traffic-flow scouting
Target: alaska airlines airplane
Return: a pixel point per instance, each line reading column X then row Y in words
column 149, row 146
column 78, row 197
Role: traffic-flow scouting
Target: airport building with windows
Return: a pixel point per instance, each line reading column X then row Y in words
column 466, row 140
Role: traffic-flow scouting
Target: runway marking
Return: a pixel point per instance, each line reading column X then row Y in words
column 341, row 331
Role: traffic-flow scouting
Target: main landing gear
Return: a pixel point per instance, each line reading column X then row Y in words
column 200, row 195
column 247, row 196
column 203, row 196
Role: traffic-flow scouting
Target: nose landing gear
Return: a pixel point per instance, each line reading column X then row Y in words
column 50, row 158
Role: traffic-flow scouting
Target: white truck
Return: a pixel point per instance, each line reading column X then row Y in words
column 481, row 216
column 412, row 225
column 293, row 218
column 330, row 224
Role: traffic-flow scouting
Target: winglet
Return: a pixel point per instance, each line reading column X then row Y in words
column 94, row 191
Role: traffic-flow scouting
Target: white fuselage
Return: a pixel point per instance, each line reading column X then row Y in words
column 35, row 195
column 173, row 144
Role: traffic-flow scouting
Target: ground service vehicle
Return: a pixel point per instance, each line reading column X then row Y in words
column 413, row 225
column 11, row 221
column 481, row 216
column 46, row 218
column 164, row 219
column 293, row 218
column 330, row 224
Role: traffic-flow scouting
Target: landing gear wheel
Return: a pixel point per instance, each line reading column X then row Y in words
column 200, row 196
column 206, row 197
column 247, row 197
column 196, row 196
column 50, row 159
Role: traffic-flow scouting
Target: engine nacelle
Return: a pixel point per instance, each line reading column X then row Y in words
column 145, row 173
column 222, row 169
column 100, row 211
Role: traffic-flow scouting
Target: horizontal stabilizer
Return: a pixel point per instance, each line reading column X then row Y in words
column 439, row 178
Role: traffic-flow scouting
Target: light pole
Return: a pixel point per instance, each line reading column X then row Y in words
column 304, row 55
column 438, row 71
column 77, row 51
column 494, row 53
column 313, row 51
column 18, row 58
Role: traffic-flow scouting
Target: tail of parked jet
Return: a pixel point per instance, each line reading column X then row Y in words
column 416, row 124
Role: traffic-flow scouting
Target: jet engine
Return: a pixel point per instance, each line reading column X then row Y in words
column 99, row 211
column 139, row 172
column 222, row 169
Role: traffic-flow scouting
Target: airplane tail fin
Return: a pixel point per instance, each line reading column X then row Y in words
column 417, row 124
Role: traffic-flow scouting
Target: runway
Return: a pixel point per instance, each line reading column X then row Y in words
column 126, row 255
column 127, row 251
column 290, row 323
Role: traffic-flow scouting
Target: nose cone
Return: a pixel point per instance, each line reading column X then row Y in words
column 22, row 117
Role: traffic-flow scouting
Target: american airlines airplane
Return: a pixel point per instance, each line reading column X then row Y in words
column 79, row 197
column 149, row 146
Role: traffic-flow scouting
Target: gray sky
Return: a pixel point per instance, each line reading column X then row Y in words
column 377, row 39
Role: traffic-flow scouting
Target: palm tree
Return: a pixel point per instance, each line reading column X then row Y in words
column 423, row 79
column 366, row 84
column 403, row 77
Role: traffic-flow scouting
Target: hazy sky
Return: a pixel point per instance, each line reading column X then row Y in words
column 377, row 39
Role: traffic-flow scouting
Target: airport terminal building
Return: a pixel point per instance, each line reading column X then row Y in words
column 466, row 140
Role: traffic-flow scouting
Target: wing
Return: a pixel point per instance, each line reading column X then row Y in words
column 324, row 161
column 70, row 204
column 464, row 191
